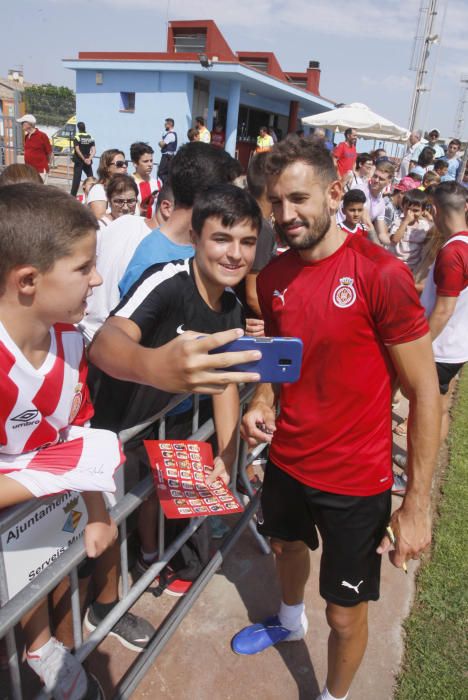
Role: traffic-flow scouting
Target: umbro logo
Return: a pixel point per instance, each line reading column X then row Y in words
column 25, row 419
column 25, row 416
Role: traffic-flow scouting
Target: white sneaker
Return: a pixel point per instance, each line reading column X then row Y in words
column 63, row 675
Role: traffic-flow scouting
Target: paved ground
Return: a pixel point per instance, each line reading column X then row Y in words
column 198, row 663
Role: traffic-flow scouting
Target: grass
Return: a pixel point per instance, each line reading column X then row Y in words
column 434, row 666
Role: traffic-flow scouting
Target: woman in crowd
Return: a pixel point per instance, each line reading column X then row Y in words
column 112, row 162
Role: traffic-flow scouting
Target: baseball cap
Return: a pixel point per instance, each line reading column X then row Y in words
column 30, row 118
column 407, row 183
column 434, row 131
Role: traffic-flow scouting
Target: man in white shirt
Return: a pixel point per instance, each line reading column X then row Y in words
column 414, row 145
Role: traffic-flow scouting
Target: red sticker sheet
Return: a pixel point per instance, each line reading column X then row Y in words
column 180, row 470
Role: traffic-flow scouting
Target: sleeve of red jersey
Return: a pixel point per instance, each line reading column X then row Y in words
column 395, row 305
column 451, row 269
column 47, row 144
column 337, row 150
column 85, row 411
column 264, row 299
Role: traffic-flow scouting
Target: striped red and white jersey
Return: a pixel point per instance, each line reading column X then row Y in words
column 39, row 403
column 44, row 443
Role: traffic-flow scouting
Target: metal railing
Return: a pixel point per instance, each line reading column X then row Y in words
column 12, row 610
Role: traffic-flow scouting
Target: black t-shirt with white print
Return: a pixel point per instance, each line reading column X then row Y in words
column 163, row 303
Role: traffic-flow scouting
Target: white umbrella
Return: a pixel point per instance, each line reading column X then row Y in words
column 367, row 123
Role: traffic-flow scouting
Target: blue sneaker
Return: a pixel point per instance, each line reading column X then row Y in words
column 256, row 638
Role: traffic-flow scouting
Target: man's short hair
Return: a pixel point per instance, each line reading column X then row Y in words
column 138, row 149
column 457, row 142
column 294, row 148
column 197, row 166
column 170, row 120
column 231, row 204
column 348, row 132
column 256, row 176
column 440, row 164
column 362, row 158
column 120, row 183
column 200, row 120
column 385, row 166
column 354, row 197
column 81, row 126
column 450, row 197
column 38, row 226
column 415, row 196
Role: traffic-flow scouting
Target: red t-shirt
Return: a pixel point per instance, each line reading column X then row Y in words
column 451, row 268
column 334, row 429
column 37, row 149
column 358, row 229
column 346, row 157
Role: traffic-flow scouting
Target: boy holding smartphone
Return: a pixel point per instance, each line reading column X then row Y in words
column 184, row 297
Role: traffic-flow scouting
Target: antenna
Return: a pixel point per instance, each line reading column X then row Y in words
column 424, row 39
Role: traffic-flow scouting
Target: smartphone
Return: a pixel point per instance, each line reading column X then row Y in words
column 280, row 362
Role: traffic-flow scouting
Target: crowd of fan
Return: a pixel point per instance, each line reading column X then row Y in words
column 156, row 250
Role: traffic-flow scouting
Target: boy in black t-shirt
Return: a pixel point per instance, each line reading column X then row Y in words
column 174, row 298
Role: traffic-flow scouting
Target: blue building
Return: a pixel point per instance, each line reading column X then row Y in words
column 125, row 97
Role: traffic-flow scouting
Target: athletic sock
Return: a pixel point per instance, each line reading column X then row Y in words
column 103, row 609
column 149, row 557
column 44, row 648
column 292, row 616
column 326, row 695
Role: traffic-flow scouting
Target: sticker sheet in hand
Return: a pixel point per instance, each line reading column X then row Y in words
column 181, row 469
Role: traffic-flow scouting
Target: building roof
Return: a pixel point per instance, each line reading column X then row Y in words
column 190, row 41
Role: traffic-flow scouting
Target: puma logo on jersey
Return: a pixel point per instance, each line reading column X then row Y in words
column 280, row 295
column 350, row 585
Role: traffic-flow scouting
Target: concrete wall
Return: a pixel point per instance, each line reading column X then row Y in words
column 157, row 96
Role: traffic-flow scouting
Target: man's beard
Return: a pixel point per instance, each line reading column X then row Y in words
column 321, row 225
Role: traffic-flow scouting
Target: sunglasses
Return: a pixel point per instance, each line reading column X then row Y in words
column 118, row 202
column 120, row 163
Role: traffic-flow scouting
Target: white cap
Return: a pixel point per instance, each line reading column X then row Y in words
column 30, row 118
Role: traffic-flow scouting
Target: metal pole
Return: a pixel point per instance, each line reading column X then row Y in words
column 422, row 71
column 76, row 607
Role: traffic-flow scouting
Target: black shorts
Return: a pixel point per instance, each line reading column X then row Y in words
column 351, row 528
column 446, row 372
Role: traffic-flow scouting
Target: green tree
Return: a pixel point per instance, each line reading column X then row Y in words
column 51, row 105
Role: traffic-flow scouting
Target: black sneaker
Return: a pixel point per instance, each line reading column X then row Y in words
column 133, row 632
column 94, row 690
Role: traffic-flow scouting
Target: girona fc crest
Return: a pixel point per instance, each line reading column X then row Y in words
column 345, row 294
column 76, row 403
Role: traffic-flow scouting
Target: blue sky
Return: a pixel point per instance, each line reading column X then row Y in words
column 364, row 48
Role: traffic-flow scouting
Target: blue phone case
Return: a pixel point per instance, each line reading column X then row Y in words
column 280, row 362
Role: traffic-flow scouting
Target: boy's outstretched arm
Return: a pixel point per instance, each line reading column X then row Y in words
column 182, row 365
column 101, row 530
column 226, row 412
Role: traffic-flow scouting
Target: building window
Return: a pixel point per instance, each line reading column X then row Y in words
column 257, row 63
column 185, row 42
column 127, row 101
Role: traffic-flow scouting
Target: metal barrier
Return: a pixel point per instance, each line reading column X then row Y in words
column 12, row 610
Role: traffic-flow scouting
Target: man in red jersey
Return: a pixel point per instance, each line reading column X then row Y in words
column 37, row 148
column 357, row 312
column 345, row 155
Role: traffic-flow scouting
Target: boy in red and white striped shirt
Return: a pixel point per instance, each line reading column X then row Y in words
column 47, row 270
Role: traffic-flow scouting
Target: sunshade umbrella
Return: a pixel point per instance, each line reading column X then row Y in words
column 367, row 123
